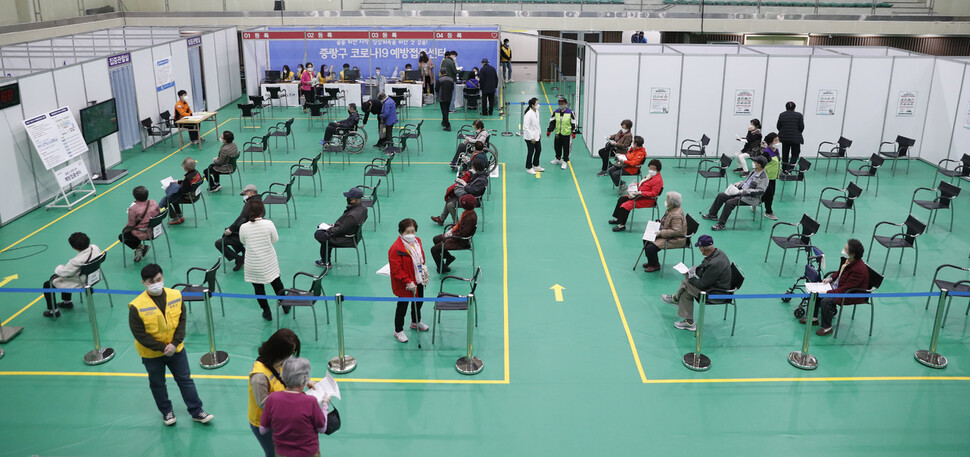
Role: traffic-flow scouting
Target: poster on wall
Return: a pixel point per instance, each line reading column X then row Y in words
column 743, row 101
column 659, row 100
column 827, row 99
column 906, row 106
column 163, row 74
column 56, row 137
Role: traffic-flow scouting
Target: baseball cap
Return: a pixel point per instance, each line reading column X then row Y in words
column 704, row 241
column 354, row 193
column 761, row 160
column 248, row 188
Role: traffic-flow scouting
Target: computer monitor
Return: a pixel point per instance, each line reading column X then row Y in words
column 351, row 75
column 465, row 75
column 272, row 75
column 412, row 75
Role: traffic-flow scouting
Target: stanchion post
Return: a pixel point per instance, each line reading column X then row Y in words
column 469, row 364
column 802, row 359
column 98, row 355
column 507, row 132
column 342, row 363
column 212, row 359
column 8, row 333
column 930, row 358
column 695, row 360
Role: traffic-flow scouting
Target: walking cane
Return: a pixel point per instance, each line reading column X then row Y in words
column 414, row 312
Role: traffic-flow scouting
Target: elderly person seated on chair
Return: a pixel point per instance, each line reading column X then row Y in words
column 474, row 182
column 464, row 228
column 628, row 163
column 348, row 223
column 68, row 276
column 714, row 272
column 136, row 230
column 617, row 142
column 852, row 274
column 480, row 134
column 748, row 192
column 229, row 244
column 347, row 124
column 178, row 189
column 220, row 164
column 672, row 233
column 644, row 195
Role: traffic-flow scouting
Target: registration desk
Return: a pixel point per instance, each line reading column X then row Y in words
column 292, row 97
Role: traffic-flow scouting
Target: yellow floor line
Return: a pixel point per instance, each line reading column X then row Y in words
column 606, row 268
column 505, row 273
column 39, row 297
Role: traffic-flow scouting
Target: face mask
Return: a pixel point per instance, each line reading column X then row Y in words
column 775, row 145
column 624, row 130
column 156, row 288
column 184, row 97
column 378, row 72
column 751, row 127
column 410, row 238
column 562, row 107
column 651, row 173
column 845, row 254
column 245, row 197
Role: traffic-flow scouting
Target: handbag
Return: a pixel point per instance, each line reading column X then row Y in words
column 333, row 421
column 130, row 228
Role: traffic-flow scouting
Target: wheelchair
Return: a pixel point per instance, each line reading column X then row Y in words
column 350, row 140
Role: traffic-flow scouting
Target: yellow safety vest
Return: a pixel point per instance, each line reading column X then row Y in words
column 160, row 326
column 275, row 385
column 564, row 123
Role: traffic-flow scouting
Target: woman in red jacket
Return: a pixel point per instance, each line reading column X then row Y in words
column 644, row 197
column 852, row 277
column 409, row 276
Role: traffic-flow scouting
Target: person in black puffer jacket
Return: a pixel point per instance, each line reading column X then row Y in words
column 790, row 126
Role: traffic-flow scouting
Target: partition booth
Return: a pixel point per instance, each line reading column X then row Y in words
column 267, row 49
column 138, row 69
column 865, row 94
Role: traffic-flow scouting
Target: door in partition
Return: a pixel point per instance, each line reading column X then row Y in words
column 197, row 92
column 123, row 90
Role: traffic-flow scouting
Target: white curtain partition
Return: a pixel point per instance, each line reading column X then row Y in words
column 868, row 95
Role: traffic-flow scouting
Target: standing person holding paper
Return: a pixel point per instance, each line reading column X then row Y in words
column 853, row 274
column 265, row 379
column 714, row 272
column 672, row 233
column 261, row 263
column 294, row 418
column 643, row 196
column 748, row 192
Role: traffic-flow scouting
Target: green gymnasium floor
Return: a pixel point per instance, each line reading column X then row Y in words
column 598, row 373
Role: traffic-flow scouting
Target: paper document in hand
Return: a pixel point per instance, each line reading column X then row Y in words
column 166, row 182
column 817, row 287
column 732, row 190
column 621, row 157
column 684, row 269
column 326, row 386
column 650, row 234
column 324, row 226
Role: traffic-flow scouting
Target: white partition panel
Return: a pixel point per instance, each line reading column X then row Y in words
column 143, row 66
column 235, row 83
column 700, row 96
column 910, row 75
column 16, row 175
column 180, row 69
column 942, row 110
column 251, row 65
column 222, row 65
column 785, row 82
column 960, row 142
column 589, row 100
column 210, row 70
column 69, row 86
column 97, row 86
column 742, row 78
column 165, row 97
column 865, row 104
column 659, row 130
column 615, row 76
column 827, row 74
column 37, row 97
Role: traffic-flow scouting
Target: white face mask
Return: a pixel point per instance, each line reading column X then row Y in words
column 377, row 72
column 156, row 288
column 651, row 173
column 246, row 197
column 184, row 97
column 624, row 130
column 410, row 237
column 776, row 145
column 845, row 254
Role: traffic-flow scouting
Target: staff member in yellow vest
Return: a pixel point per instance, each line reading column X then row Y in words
column 265, row 379
column 157, row 321
column 563, row 124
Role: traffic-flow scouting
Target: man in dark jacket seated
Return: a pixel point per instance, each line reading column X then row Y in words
column 853, row 274
column 347, row 124
column 475, row 185
column 714, row 272
column 229, row 243
column 452, row 239
column 336, row 235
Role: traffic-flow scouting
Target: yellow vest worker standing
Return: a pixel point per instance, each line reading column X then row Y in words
column 264, row 379
column 157, row 321
column 563, row 123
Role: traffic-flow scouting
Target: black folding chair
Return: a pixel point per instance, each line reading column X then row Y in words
column 356, row 239
column 692, row 148
column 283, row 197
column 833, row 151
column 372, row 201
column 899, row 149
column 380, row 168
column 247, row 111
column 875, row 281
column 192, row 197
column 315, row 290
column 308, row 166
column 961, row 285
column 92, row 274
column 257, row 144
column 715, row 170
column 692, row 227
column 283, row 129
column 960, row 170
column 800, row 240
column 737, row 280
column 796, row 176
column 910, row 230
column 414, row 133
column 209, row 283
column 844, row 202
column 460, row 303
column 471, row 247
column 945, row 193
column 868, row 169
column 158, row 131
column 155, row 229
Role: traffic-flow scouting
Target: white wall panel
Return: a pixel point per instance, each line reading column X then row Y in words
column 615, row 76
column 786, row 81
column 742, row 72
column 589, row 100
column 222, row 64
column 700, row 95
column 97, row 86
column 865, row 104
column 659, row 131
column 210, row 70
column 235, row 83
column 37, row 97
column 942, row 110
column 827, row 73
column 909, row 74
column 69, row 89
column 251, row 64
column 143, row 64
column 180, row 69
column 525, row 48
column 167, row 96
column 960, row 143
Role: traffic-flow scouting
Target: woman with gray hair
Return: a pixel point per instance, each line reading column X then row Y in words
column 672, row 234
column 294, row 418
